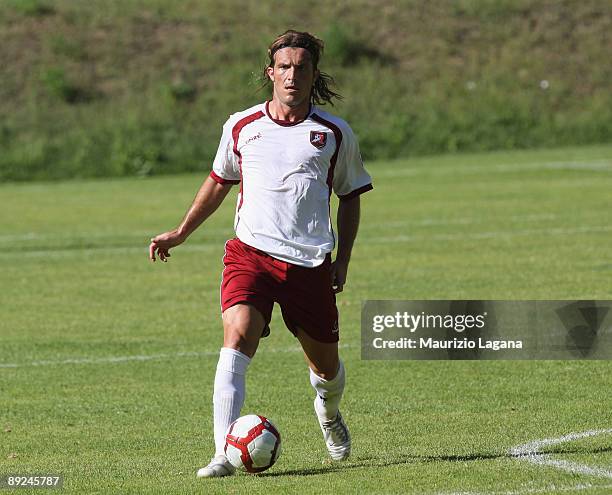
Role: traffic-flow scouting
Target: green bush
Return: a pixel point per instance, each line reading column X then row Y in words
column 71, row 48
column 58, row 85
column 34, row 8
column 182, row 91
column 142, row 87
column 341, row 45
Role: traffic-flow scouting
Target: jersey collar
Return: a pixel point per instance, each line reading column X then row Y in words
column 286, row 123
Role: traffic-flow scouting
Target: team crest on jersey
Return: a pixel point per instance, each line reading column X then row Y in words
column 318, row 139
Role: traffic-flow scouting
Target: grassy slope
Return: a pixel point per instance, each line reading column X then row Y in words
column 76, row 284
column 142, row 87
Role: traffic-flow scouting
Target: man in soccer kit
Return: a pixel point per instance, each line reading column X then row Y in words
column 288, row 156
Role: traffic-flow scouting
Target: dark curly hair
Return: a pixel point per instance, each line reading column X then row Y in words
column 320, row 94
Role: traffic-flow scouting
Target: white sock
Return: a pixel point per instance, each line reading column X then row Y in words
column 229, row 392
column 329, row 393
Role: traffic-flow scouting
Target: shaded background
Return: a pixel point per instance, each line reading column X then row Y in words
column 142, row 87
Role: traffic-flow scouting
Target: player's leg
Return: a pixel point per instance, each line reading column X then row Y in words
column 243, row 325
column 247, row 309
column 326, row 373
column 242, row 328
column 327, row 378
column 309, row 309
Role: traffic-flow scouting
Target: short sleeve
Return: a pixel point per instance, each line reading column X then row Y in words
column 226, row 169
column 350, row 177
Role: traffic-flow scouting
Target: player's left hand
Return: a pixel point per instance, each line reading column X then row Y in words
column 339, row 270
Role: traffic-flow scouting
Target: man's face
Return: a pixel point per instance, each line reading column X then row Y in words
column 293, row 76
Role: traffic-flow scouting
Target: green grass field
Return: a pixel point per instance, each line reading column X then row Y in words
column 107, row 360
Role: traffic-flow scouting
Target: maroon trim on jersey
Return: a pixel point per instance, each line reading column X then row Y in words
column 338, row 135
column 356, row 192
column 286, row 123
column 238, row 126
column 221, row 180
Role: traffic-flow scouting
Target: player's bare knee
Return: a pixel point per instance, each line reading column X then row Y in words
column 236, row 339
column 241, row 345
column 327, row 371
column 325, row 376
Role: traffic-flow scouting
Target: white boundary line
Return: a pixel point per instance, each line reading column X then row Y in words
column 83, row 236
column 492, row 234
column 142, row 357
column 601, row 165
column 104, row 250
column 106, row 360
column 531, row 453
column 440, row 221
column 527, row 491
column 144, row 236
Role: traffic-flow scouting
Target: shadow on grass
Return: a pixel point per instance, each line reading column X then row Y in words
column 415, row 459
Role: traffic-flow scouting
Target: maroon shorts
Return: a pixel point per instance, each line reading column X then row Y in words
column 305, row 295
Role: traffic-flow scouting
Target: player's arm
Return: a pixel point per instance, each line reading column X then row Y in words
column 348, row 225
column 208, row 199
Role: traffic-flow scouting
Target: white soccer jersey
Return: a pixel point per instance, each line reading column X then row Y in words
column 286, row 173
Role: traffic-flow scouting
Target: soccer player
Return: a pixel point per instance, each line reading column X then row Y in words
column 288, row 156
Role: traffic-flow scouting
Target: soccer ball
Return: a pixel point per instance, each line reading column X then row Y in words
column 252, row 443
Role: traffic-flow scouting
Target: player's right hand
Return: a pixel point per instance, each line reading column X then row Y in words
column 162, row 243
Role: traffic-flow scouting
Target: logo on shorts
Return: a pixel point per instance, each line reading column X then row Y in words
column 318, row 139
column 335, row 327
